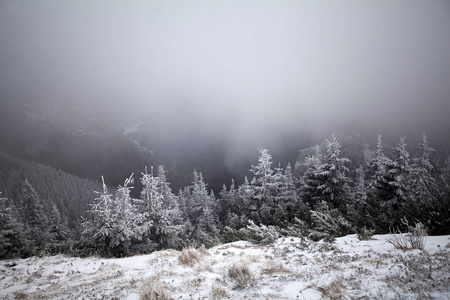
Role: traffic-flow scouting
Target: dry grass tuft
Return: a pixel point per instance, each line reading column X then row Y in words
column 189, row 257
column 275, row 267
column 154, row 290
column 219, row 292
column 335, row 290
column 162, row 255
column 203, row 250
column 20, row 295
column 414, row 239
column 242, row 274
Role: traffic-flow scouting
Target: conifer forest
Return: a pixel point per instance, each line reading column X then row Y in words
column 322, row 195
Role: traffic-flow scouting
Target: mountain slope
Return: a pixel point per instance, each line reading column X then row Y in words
column 291, row 268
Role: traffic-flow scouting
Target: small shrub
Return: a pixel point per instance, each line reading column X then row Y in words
column 365, row 234
column 274, row 267
column 415, row 238
column 219, row 292
column 229, row 235
column 260, row 234
column 317, row 236
column 154, row 290
column 242, row 274
column 189, row 257
column 20, row 295
column 202, row 250
column 335, row 290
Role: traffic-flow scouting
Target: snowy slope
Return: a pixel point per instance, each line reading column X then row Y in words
column 288, row 269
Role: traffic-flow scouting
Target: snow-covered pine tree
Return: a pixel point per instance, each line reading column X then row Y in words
column 244, row 198
column 360, row 193
column 129, row 226
column 170, row 201
column 32, row 214
column 422, row 172
column 199, row 198
column 285, row 198
column 12, row 239
column 289, row 193
column 264, row 182
column 309, row 180
column 161, row 209
column 203, row 214
column 58, row 230
column 98, row 228
column 328, row 222
column 332, row 182
column 227, row 202
column 378, row 185
column 399, row 174
column 116, row 223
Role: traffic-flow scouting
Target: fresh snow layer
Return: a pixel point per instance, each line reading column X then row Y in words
column 290, row 268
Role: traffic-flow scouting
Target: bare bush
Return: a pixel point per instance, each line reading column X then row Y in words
column 242, row 274
column 154, row 290
column 219, row 292
column 415, row 238
column 335, row 290
column 190, row 257
column 365, row 234
column 274, row 267
column 20, row 295
column 259, row 234
column 420, row 276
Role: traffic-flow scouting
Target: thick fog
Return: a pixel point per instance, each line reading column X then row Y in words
column 243, row 73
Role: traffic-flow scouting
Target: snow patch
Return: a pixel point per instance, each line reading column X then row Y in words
column 290, row 268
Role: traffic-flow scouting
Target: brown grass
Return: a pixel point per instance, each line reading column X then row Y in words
column 219, row 292
column 242, row 274
column 189, row 257
column 275, row 267
column 154, row 290
column 335, row 290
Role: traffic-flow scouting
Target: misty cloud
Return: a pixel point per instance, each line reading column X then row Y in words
column 243, row 72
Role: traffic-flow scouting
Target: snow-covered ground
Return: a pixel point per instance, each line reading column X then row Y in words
column 288, row 269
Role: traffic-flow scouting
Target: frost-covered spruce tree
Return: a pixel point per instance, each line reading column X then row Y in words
column 328, row 222
column 175, row 214
column 286, row 200
column 12, row 239
column 116, row 223
column 58, row 230
column 379, row 187
column 199, row 198
column 309, row 180
column 332, row 182
column 98, row 228
column 399, row 174
column 206, row 224
column 32, row 214
column 244, row 197
column 161, row 210
column 360, row 193
column 422, row 169
column 227, row 202
column 389, row 187
column 378, row 210
column 264, row 188
column 377, row 169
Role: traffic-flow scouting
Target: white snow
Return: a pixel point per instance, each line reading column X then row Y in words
column 290, row 268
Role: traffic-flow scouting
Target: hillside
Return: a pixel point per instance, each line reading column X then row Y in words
column 290, row 268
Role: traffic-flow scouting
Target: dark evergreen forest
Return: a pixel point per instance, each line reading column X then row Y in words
column 330, row 191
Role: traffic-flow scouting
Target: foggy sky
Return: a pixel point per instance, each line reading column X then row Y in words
column 245, row 72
